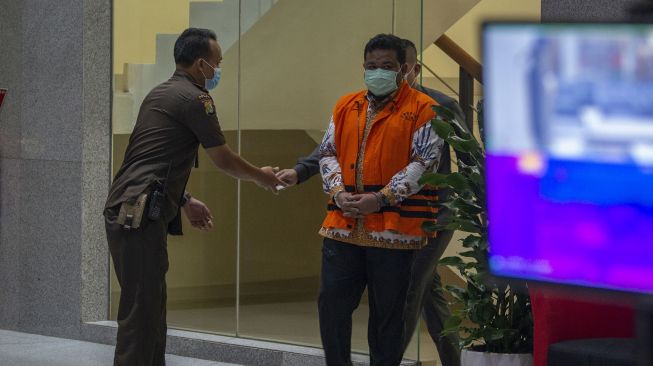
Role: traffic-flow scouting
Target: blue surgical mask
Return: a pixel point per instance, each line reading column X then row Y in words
column 215, row 80
column 381, row 82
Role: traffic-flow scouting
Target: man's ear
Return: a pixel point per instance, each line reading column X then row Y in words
column 418, row 69
column 196, row 65
column 199, row 64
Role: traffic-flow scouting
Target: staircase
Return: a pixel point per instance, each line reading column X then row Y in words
column 137, row 80
column 255, row 36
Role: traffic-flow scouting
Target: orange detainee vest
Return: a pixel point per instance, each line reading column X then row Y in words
column 387, row 152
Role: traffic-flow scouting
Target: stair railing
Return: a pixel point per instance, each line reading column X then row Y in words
column 469, row 70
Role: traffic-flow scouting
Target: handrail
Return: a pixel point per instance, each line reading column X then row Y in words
column 460, row 56
column 439, row 78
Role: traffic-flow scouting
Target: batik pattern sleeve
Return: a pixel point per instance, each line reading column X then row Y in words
column 425, row 156
column 329, row 166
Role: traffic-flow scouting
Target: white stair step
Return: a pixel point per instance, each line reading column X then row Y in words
column 221, row 17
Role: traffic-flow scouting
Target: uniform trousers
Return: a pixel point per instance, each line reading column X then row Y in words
column 140, row 258
column 426, row 298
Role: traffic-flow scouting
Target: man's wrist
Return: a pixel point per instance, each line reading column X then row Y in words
column 302, row 173
column 388, row 198
column 261, row 176
column 335, row 191
column 185, row 198
column 380, row 200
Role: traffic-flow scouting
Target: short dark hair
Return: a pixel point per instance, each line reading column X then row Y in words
column 193, row 43
column 386, row 42
column 407, row 43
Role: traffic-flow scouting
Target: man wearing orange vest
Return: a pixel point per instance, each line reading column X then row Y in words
column 378, row 144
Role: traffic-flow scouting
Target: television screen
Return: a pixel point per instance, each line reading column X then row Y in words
column 569, row 140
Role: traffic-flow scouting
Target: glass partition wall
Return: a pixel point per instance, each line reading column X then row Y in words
column 286, row 62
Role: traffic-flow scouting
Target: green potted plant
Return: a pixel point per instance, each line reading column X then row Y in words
column 494, row 319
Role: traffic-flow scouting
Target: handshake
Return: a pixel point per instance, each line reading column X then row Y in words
column 275, row 180
column 352, row 205
column 269, row 179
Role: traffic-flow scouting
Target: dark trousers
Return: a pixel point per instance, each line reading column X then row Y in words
column 426, row 297
column 140, row 258
column 346, row 270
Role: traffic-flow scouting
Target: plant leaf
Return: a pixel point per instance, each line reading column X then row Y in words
column 443, row 129
column 450, row 261
column 469, row 254
column 493, row 334
column 430, row 226
column 477, row 179
column 464, row 225
column 452, row 322
column 463, row 145
column 467, row 206
column 443, row 113
column 471, row 241
column 457, row 181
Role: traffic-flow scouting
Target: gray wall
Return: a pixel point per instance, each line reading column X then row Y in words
column 54, row 163
column 585, row 10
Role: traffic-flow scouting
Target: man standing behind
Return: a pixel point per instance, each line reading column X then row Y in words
column 377, row 146
column 148, row 191
column 425, row 295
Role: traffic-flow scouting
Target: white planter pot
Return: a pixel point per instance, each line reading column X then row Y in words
column 472, row 358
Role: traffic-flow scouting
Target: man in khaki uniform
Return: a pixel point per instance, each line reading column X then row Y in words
column 148, row 191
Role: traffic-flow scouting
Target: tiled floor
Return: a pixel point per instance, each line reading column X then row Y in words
column 22, row 349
